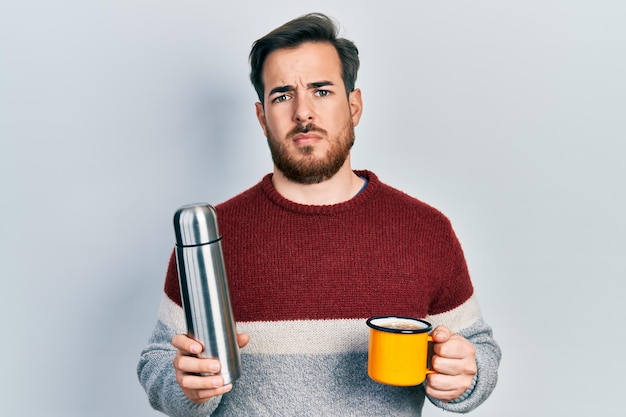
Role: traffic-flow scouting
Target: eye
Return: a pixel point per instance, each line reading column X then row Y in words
column 322, row 93
column 280, row 99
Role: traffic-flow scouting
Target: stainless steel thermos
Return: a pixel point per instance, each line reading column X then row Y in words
column 204, row 286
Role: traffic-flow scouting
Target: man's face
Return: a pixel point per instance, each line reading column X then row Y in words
column 307, row 118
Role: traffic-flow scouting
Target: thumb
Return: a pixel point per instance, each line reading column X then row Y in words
column 242, row 339
column 441, row 334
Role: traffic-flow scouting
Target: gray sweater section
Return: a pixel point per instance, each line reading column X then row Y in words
column 307, row 385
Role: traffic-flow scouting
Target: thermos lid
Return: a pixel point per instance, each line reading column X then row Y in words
column 196, row 224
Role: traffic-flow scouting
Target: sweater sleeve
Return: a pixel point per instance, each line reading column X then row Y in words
column 488, row 356
column 156, row 375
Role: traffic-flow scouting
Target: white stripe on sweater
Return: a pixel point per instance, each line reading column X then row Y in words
column 458, row 318
column 315, row 336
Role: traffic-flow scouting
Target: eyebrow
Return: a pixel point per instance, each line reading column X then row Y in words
column 286, row 88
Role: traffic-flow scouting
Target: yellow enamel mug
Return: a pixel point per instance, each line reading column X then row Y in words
column 398, row 350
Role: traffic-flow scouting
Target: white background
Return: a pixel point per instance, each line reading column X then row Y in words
column 507, row 116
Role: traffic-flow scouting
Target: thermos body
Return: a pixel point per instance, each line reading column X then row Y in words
column 204, row 286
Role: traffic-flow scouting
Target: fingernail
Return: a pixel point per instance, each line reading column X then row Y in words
column 194, row 348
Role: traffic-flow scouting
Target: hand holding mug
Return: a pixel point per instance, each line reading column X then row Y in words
column 398, row 355
column 454, row 363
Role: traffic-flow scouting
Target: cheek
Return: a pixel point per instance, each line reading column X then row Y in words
column 276, row 124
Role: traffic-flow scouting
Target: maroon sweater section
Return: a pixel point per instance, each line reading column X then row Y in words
column 382, row 252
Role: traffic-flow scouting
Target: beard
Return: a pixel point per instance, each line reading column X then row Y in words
column 304, row 167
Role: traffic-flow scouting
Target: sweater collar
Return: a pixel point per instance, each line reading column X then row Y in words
column 270, row 192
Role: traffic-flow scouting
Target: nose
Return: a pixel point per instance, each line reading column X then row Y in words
column 303, row 112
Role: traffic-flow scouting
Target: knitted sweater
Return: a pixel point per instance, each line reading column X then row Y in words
column 303, row 279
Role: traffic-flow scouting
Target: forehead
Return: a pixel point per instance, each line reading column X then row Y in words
column 306, row 63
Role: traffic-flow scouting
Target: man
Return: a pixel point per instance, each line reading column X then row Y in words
column 312, row 251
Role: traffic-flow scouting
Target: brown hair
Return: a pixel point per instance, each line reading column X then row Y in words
column 312, row 27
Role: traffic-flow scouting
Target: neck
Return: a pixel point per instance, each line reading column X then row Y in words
column 341, row 187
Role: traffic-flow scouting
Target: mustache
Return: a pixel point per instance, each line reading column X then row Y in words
column 305, row 128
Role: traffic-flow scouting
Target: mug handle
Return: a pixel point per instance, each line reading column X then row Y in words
column 429, row 355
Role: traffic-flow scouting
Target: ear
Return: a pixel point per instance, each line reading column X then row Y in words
column 356, row 105
column 260, row 115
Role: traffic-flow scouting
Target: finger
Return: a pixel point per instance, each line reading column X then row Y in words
column 456, row 347
column 193, row 365
column 443, row 395
column 446, row 387
column 198, row 383
column 187, row 344
column 201, row 396
column 453, row 367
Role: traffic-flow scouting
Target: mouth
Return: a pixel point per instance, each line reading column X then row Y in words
column 305, row 138
column 306, row 134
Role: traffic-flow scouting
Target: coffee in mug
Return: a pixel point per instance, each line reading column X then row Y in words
column 398, row 350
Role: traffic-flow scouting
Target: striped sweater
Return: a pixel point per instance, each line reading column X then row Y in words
column 303, row 279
